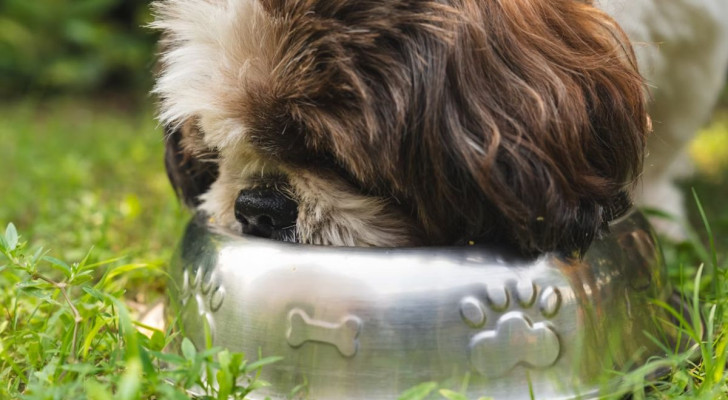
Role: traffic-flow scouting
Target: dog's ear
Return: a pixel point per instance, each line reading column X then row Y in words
column 190, row 170
column 563, row 108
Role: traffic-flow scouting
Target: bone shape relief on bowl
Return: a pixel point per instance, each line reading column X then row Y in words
column 344, row 335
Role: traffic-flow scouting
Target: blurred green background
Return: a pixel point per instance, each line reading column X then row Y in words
column 74, row 46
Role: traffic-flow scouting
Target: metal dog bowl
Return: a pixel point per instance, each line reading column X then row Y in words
column 356, row 323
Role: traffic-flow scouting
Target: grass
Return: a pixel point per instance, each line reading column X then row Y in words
column 87, row 181
column 69, row 335
column 94, row 222
column 79, row 174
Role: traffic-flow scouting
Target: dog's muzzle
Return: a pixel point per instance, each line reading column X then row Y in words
column 266, row 212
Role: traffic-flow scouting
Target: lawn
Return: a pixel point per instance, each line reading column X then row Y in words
column 93, row 223
column 84, row 185
column 80, row 174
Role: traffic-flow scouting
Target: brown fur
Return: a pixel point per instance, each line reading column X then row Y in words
column 514, row 121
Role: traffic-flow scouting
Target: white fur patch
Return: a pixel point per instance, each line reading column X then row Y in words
column 331, row 214
column 213, row 51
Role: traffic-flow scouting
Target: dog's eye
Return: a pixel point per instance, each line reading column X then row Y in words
column 266, row 212
column 327, row 162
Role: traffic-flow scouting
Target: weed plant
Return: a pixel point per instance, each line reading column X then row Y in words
column 70, row 336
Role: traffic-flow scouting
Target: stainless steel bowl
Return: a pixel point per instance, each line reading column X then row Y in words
column 356, row 323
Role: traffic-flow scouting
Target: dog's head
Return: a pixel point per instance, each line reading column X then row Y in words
column 402, row 122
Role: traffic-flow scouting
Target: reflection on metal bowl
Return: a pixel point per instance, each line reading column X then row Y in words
column 356, row 323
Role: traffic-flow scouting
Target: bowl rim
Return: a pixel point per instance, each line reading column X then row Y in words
column 203, row 220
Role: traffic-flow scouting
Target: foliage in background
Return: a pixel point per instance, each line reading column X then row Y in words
column 710, row 150
column 80, row 46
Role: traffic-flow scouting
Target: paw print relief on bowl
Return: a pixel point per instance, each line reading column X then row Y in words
column 515, row 336
column 206, row 289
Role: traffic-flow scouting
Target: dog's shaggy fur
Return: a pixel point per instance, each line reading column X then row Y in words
column 406, row 122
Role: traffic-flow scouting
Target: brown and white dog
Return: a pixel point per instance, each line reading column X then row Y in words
column 403, row 122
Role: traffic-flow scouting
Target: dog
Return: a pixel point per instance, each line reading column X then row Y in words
column 521, row 123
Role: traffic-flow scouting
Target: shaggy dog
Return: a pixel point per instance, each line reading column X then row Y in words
column 402, row 122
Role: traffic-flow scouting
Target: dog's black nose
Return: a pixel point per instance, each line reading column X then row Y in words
column 265, row 212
